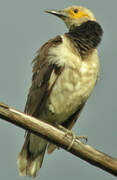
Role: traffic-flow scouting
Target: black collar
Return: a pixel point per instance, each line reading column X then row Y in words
column 86, row 37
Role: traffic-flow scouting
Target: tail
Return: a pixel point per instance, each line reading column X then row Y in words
column 31, row 156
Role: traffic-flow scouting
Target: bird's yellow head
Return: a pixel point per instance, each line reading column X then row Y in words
column 74, row 15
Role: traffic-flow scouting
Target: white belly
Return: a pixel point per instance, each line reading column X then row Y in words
column 74, row 84
column 71, row 90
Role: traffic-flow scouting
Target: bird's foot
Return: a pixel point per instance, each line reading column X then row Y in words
column 73, row 138
column 83, row 139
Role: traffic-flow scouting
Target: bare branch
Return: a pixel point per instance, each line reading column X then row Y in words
column 58, row 137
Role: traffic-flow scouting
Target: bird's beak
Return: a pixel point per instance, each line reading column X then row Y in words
column 60, row 13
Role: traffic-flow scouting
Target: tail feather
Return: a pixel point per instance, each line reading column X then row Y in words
column 29, row 162
column 35, row 165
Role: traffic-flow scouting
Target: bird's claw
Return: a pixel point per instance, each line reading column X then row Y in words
column 83, row 139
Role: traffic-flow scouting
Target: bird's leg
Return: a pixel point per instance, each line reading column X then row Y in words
column 83, row 139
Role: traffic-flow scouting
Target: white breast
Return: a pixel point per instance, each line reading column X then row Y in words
column 75, row 83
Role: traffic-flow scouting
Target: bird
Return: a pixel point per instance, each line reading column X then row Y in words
column 65, row 71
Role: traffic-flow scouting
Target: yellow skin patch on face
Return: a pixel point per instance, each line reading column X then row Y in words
column 78, row 14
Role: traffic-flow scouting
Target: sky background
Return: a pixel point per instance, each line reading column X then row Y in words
column 24, row 27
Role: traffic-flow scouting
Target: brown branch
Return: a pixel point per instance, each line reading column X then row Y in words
column 58, row 137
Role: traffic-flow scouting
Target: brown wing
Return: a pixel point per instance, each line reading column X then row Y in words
column 67, row 124
column 42, row 70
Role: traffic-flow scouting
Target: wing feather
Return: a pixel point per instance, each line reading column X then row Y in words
column 42, row 71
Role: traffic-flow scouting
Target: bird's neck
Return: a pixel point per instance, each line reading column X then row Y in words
column 85, row 37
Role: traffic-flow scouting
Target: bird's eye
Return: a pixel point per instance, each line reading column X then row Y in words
column 76, row 11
